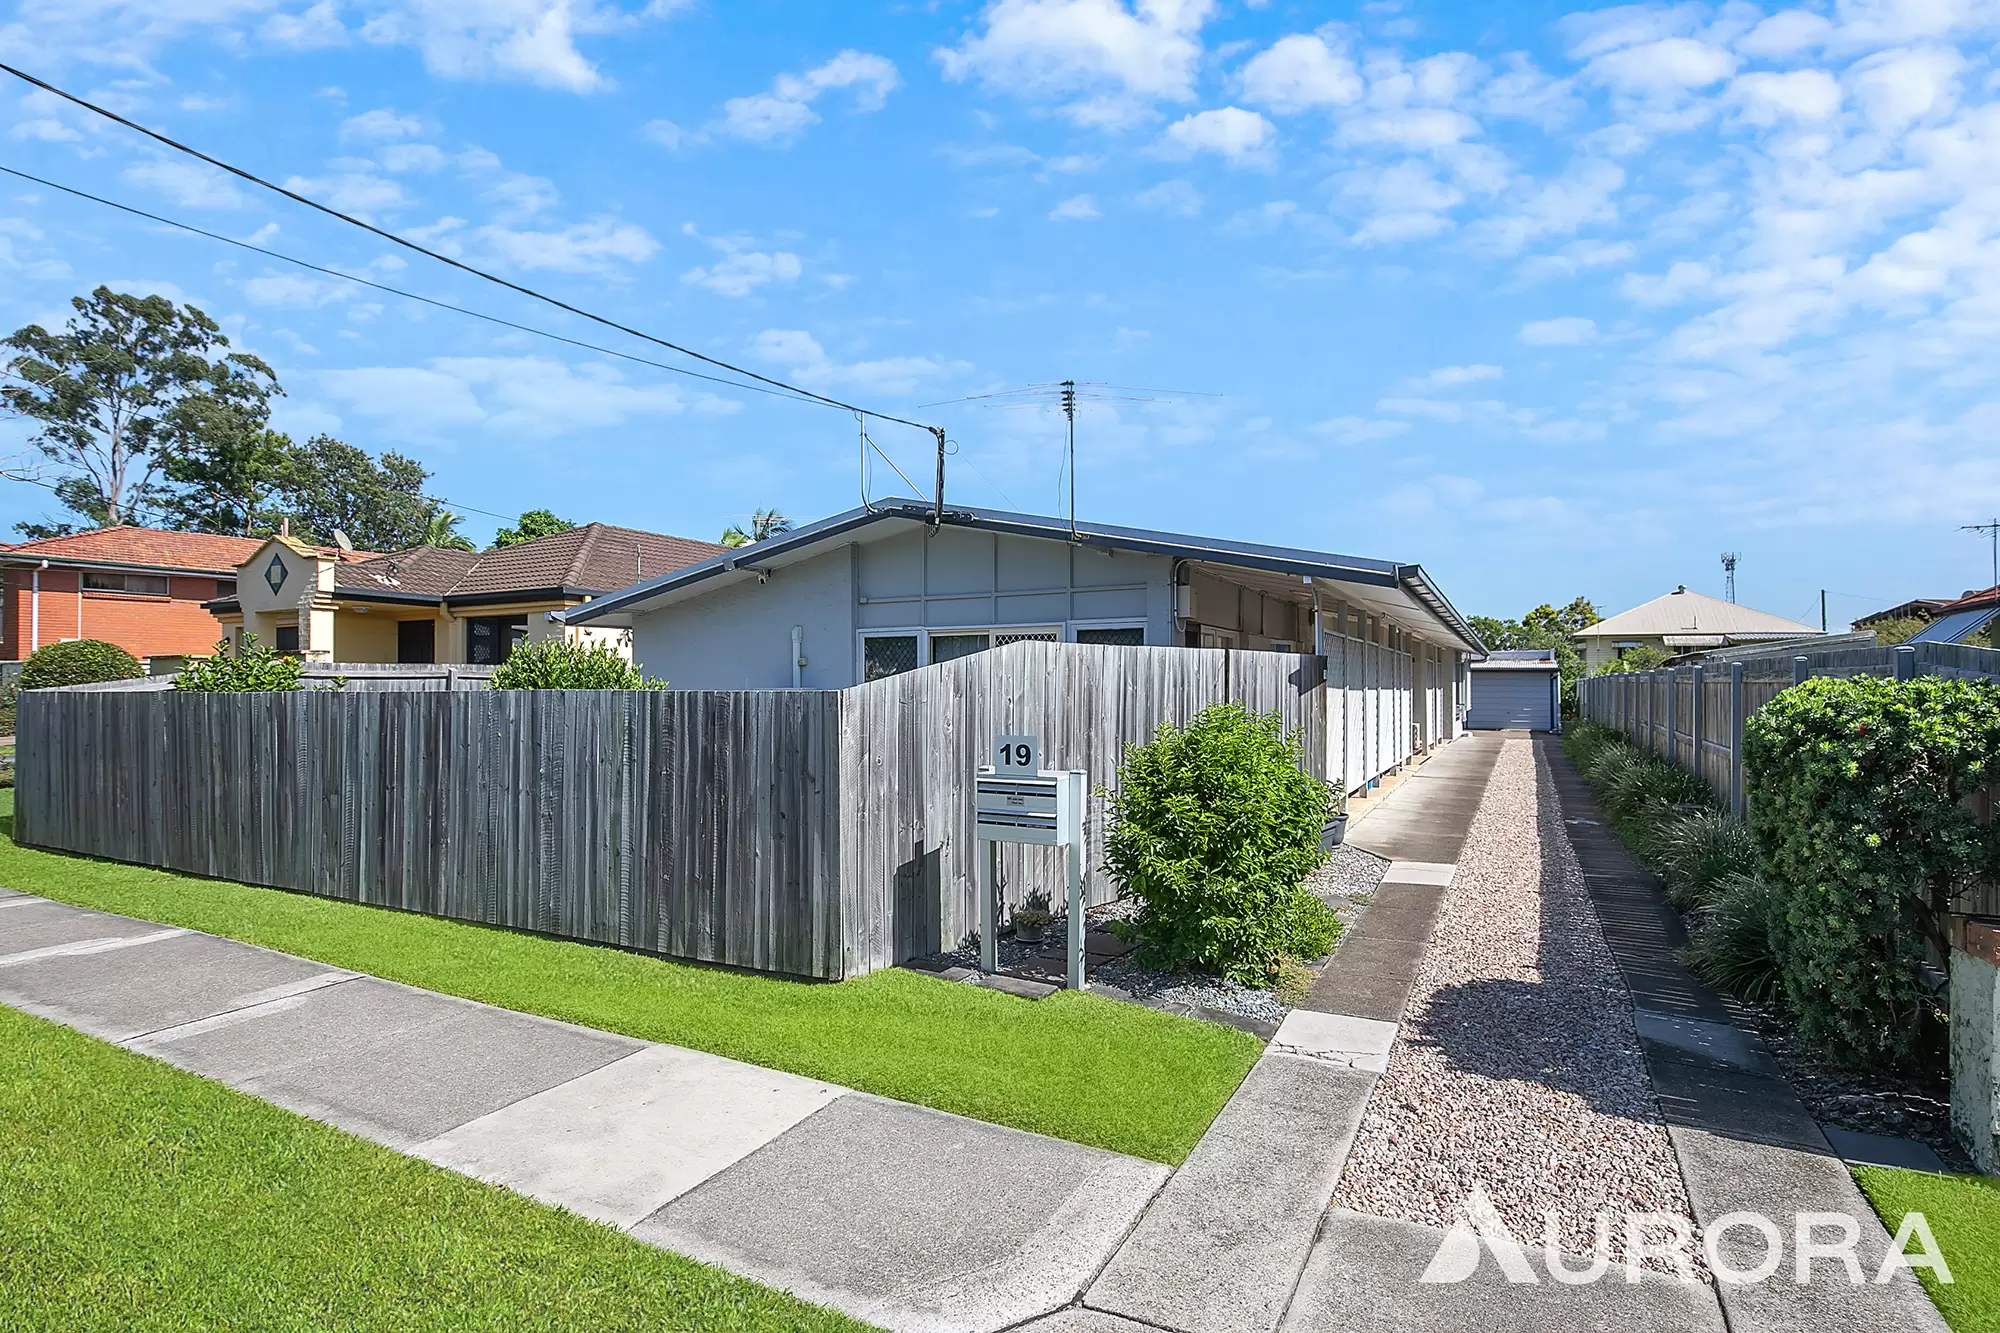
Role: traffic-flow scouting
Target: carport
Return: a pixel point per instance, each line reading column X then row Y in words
column 1516, row 690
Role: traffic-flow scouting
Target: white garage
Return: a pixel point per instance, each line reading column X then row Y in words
column 1517, row 690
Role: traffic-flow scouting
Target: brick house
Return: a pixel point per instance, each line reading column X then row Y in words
column 139, row 588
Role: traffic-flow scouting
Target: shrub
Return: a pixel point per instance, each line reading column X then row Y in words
column 558, row 664
column 78, row 662
column 1697, row 852
column 1857, row 789
column 1733, row 941
column 1213, row 829
column 254, row 669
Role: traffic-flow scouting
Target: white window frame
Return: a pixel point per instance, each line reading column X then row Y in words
column 923, row 633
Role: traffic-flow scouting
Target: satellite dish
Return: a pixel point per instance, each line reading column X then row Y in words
column 342, row 540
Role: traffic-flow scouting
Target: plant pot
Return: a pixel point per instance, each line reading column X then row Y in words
column 1029, row 932
column 1333, row 833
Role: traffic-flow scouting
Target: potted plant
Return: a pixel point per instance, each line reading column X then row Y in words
column 1031, row 917
column 1334, row 831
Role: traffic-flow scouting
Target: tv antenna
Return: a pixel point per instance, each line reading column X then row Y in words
column 1992, row 531
column 1069, row 395
column 1729, row 559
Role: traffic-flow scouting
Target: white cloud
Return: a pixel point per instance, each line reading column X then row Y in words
column 1116, row 59
column 584, row 247
column 780, row 115
column 351, row 192
column 316, row 26
column 1803, row 95
column 411, row 157
column 1450, row 377
column 1565, row 331
column 1581, row 196
column 1076, row 208
column 189, row 184
column 532, row 41
column 381, row 125
column 1896, row 88
column 295, row 289
column 1240, row 137
column 1785, row 33
column 1359, row 430
column 1177, row 198
column 1299, row 73
column 1683, row 281
column 1415, row 128
column 527, row 396
column 806, row 361
column 664, row 133
column 743, row 269
column 45, row 129
column 1666, row 68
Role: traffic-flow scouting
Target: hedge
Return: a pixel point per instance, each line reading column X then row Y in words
column 78, row 662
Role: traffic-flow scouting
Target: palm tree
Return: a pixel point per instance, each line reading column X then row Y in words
column 764, row 524
column 443, row 531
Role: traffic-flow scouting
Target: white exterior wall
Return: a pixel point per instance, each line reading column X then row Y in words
column 739, row 637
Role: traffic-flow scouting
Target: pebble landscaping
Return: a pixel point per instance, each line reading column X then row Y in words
column 1517, row 1067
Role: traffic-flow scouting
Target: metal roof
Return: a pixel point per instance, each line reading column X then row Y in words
column 1683, row 612
column 1956, row 627
column 1407, row 578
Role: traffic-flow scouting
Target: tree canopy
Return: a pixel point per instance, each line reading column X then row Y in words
column 132, row 388
column 532, row 524
column 1545, row 627
column 326, row 484
column 764, row 524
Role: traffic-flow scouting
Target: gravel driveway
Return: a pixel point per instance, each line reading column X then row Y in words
column 1517, row 1066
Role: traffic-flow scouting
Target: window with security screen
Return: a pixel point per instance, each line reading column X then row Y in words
column 1002, row 638
column 888, row 655
column 951, row 647
column 1125, row 636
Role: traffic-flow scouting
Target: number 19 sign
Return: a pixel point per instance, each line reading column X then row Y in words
column 1017, row 754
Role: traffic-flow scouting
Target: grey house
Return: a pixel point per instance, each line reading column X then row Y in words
column 876, row 591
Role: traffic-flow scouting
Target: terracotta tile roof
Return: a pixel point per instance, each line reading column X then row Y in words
column 1974, row 599
column 196, row 552
column 594, row 558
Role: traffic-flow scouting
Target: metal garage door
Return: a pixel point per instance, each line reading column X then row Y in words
column 1502, row 699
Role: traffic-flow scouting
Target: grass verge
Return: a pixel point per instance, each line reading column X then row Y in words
column 1076, row 1067
column 1964, row 1217
column 139, row 1197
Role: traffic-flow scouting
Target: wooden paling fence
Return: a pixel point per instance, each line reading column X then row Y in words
column 817, row 833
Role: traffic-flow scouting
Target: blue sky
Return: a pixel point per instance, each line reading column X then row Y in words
column 1553, row 301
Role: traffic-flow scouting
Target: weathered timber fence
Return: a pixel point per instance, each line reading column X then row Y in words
column 911, row 744
column 819, row 833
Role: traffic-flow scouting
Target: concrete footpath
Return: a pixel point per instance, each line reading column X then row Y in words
column 906, row 1217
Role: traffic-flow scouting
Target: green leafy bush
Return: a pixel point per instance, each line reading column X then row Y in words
column 557, row 664
column 1733, row 939
column 254, row 669
column 78, row 662
column 1857, row 791
column 1214, row 828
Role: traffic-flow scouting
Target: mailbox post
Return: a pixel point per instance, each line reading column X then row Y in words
column 1019, row 801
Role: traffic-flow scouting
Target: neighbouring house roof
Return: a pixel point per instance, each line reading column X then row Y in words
column 1405, row 585
column 139, row 548
column 1517, row 659
column 1683, row 614
column 585, row 561
column 1956, row 626
column 1973, row 597
column 1917, row 608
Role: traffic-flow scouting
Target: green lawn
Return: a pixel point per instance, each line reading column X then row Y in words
column 136, row 1197
column 1964, row 1217
column 1073, row 1066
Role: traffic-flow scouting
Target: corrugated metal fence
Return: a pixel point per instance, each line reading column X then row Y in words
column 819, row 833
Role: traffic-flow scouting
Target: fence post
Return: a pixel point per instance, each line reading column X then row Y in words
column 1801, row 668
column 1673, row 740
column 1697, row 724
column 1736, row 805
column 1906, row 662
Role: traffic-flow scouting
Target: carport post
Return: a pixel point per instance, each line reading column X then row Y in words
column 1736, row 804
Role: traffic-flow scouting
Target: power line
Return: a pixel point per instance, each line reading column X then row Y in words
column 396, row 291
column 463, row 267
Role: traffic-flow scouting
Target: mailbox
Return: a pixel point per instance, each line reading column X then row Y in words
column 1030, row 805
